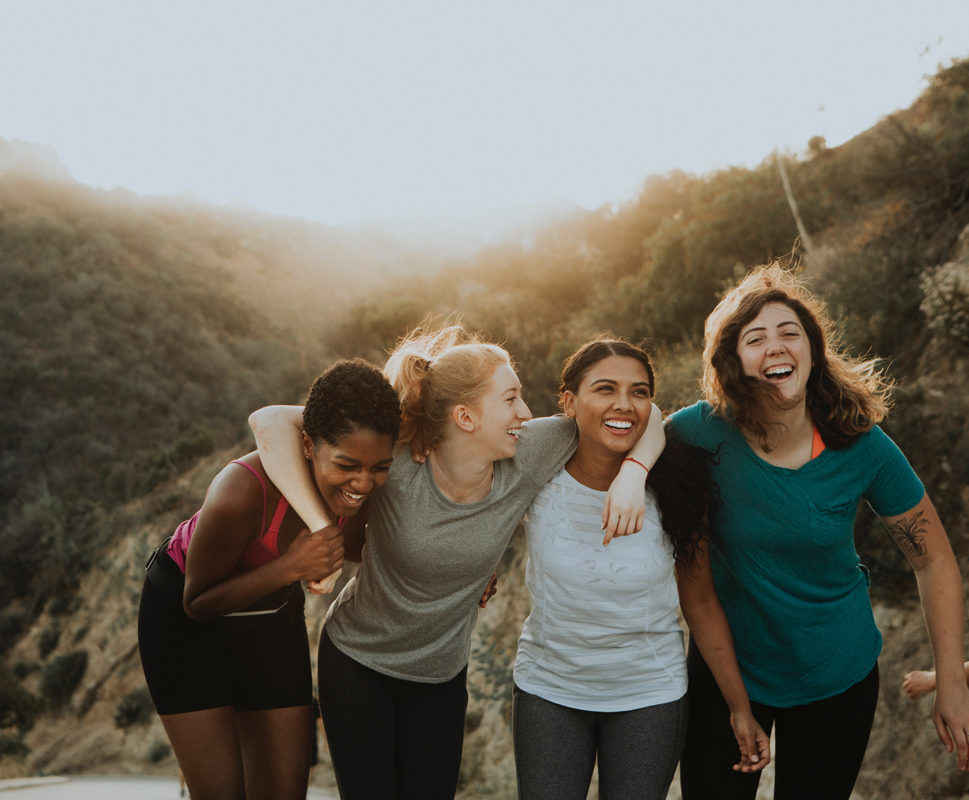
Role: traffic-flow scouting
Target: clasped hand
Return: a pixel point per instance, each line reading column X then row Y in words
column 317, row 557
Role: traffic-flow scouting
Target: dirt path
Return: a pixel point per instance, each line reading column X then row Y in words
column 98, row 787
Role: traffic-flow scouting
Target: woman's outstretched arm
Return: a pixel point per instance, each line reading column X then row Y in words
column 278, row 431
column 921, row 537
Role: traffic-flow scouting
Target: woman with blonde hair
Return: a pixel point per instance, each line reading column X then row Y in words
column 394, row 651
column 794, row 422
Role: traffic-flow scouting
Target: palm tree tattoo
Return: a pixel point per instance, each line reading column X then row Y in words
column 909, row 534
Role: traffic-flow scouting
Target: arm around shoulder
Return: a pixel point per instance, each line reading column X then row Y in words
column 625, row 506
column 278, row 431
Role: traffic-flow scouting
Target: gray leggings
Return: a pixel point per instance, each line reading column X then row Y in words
column 556, row 749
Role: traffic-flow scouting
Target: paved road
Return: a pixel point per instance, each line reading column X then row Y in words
column 98, row 787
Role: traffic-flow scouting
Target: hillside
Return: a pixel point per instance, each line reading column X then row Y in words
column 139, row 332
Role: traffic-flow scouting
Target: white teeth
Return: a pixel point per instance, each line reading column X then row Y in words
column 772, row 372
column 618, row 423
column 351, row 495
column 514, row 432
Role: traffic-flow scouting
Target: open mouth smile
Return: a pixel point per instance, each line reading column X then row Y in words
column 778, row 373
column 351, row 498
column 619, row 425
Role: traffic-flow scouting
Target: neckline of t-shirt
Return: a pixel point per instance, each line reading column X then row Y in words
column 429, row 477
column 807, row 465
column 577, row 482
column 734, row 431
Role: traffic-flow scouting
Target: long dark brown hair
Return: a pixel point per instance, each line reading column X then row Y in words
column 681, row 480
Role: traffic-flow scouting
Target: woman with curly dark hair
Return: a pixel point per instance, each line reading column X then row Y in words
column 601, row 668
column 794, row 421
column 220, row 627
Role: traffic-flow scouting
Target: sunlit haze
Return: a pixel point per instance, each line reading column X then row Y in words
column 343, row 112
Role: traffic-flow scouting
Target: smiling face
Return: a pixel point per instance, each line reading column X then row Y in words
column 499, row 414
column 774, row 348
column 348, row 472
column 611, row 405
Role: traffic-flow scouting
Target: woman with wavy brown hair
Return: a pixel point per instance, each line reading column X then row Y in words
column 794, row 421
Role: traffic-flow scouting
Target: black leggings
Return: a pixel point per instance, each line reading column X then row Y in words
column 390, row 739
column 819, row 746
column 556, row 748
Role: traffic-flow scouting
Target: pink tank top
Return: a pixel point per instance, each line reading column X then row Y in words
column 256, row 553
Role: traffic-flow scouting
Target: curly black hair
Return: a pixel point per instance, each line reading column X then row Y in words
column 686, row 494
column 351, row 394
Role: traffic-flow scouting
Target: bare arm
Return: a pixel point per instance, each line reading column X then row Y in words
column 625, row 506
column 278, row 432
column 921, row 537
column 709, row 629
column 230, row 518
column 354, row 532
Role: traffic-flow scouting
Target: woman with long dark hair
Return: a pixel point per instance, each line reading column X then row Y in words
column 601, row 668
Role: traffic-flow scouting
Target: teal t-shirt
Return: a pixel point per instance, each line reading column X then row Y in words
column 785, row 566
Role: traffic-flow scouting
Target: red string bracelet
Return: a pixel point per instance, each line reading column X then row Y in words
column 630, row 458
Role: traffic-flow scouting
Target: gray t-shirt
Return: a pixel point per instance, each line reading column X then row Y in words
column 412, row 606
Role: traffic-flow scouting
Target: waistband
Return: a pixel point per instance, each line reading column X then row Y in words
column 164, row 574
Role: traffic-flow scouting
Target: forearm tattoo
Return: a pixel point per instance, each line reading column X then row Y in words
column 909, row 533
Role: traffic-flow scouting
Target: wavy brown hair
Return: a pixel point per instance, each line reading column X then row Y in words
column 846, row 396
column 434, row 369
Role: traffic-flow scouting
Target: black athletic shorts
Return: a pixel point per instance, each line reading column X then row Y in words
column 251, row 662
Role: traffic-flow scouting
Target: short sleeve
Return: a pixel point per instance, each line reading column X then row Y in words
column 694, row 425
column 545, row 444
column 894, row 488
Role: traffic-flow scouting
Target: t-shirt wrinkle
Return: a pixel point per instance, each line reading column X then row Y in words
column 602, row 634
column 410, row 610
column 789, row 577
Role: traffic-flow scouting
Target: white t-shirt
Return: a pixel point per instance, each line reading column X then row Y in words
column 603, row 633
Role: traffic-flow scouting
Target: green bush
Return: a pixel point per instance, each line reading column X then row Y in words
column 60, row 677
column 159, row 752
column 48, row 641
column 946, row 302
column 135, row 708
column 80, row 633
column 18, row 707
column 21, row 669
column 12, row 744
column 12, row 623
column 61, row 605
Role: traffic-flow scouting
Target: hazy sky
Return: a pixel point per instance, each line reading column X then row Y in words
column 347, row 110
